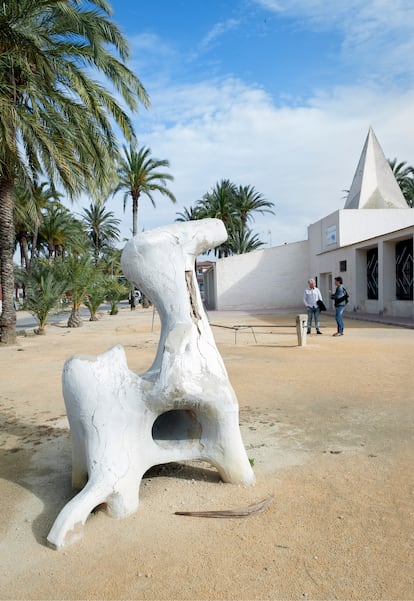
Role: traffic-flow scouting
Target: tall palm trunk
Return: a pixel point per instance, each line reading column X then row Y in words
column 135, row 200
column 33, row 250
column 24, row 252
column 8, row 316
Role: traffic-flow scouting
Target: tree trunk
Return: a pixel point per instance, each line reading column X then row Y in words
column 24, row 253
column 33, row 250
column 132, row 300
column 114, row 309
column 75, row 320
column 8, row 316
column 135, row 200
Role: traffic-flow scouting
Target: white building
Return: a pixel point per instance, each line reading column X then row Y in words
column 369, row 243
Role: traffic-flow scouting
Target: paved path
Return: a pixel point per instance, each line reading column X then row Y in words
column 404, row 322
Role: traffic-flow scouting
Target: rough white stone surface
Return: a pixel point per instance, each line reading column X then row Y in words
column 182, row 408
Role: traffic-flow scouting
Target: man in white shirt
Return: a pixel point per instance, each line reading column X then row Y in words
column 311, row 296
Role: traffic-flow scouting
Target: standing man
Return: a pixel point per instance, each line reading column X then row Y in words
column 311, row 296
column 340, row 298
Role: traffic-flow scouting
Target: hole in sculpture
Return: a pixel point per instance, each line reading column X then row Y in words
column 178, row 425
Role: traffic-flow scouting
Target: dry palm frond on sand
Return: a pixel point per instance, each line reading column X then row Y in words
column 230, row 513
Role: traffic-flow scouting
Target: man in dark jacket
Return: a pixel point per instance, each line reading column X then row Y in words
column 340, row 298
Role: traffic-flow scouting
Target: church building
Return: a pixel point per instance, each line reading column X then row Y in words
column 369, row 243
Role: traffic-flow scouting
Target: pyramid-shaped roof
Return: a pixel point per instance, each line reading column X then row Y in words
column 374, row 185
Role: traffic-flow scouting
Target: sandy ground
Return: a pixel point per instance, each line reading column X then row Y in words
column 329, row 427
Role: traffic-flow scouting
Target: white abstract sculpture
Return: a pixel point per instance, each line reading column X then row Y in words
column 182, row 408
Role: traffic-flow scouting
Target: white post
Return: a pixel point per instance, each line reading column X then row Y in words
column 301, row 329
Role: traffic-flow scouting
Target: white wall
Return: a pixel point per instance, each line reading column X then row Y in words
column 274, row 278
column 327, row 263
column 356, row 225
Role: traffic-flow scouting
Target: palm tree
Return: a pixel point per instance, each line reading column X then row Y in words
column 138, row 174
column 404, row 174
column 101, row 227
column 244, row 241
column 409, row 192
column 24, row 218
column 44, row 289
column 248, row 201
column 96, row 296
column 60, row 231
column 189, row 214
column 80, row 275
column 115, row 291
column 56, row 119
column 220, row 204
column 235, row 207
column 29, row 203
column 111, row 261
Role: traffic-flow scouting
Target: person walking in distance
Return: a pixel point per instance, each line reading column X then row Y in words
column 311, row 296
column 340, row 298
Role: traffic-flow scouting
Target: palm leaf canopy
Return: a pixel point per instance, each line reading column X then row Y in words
column 56, row 119
column 53, row 116
column 139, row 173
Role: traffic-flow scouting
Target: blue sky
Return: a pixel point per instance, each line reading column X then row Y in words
column 277, row 94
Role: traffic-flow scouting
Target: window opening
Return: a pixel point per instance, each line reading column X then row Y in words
column 404, row 270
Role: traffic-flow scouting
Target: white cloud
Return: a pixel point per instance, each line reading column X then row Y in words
column 302, row 155
column 377, row 35
column 302, row 158
column 218, row 30
column 347, row 15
